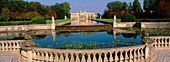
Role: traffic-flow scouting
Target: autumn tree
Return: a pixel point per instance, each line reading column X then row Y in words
column 31, row 15
column 13, row 15
column 5, row 15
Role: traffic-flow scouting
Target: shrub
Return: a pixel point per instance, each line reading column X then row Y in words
column 129, row 18
column 38, row 20
column 14, row 23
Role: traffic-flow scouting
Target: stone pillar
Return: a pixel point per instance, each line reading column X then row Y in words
column 65, row 17
column 53, row 23
column 114, row 21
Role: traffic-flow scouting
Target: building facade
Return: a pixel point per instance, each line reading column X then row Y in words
column 83, row 15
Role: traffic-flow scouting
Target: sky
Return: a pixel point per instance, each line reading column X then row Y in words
column 97, row 6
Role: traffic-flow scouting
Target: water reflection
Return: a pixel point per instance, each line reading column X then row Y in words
column 85, row 22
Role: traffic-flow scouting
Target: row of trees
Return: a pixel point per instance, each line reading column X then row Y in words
column 121, row 8
column 153, row 8
column 23, row 10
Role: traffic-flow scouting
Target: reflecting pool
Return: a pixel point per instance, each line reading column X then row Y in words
column 86, row 40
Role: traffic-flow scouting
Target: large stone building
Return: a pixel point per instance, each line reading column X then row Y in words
column 83, row 15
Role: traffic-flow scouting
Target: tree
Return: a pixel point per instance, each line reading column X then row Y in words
column 130, row 7
column 125, row 6
column 117, row 4
column 22, row 15
column 5, row 15
column 13, row 15
column 3, row 4
column 136, row 6
column 31, row 15
column 163, row 8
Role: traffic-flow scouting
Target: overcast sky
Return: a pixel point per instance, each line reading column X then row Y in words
column 97, row 6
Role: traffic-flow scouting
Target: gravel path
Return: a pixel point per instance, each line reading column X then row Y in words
column 162, row 55
column 9, row 57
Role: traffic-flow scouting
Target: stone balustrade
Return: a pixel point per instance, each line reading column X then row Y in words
column 10, row 46
column 121, row 54
column 161, row 41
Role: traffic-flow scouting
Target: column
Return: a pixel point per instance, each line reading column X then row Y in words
column 65, row 17
column 53, row 23
column 114, row 21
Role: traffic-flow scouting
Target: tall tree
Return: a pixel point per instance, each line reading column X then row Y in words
column 136, row 6
column 125, row 6
column 5, row 15
column 130, row 7
column 3, row 4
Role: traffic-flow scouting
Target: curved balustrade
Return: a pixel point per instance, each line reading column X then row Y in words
column 161, row 41
column 122, row 54
column 10, row 45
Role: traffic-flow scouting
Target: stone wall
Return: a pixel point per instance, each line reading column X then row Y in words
column 125, row 24
column 155, row 24
column 25, row 27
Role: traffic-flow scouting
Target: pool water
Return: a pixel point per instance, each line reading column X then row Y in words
column 85, row 22
column 86, row 40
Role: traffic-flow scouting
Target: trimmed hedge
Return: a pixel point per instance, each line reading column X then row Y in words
column 14, row 23
column 38, row 20
column 129, row 18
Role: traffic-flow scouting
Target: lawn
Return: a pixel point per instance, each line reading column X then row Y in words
column 110, row 20
column 57, row 21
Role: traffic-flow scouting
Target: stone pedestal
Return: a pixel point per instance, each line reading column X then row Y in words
column 53, row 23
column 114, row 21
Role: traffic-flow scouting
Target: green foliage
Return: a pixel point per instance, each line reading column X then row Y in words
column 5, row 14
column 14, row 23
column 115, row 4
column 38, row 20
column 20, row 34
column 128, row 18
column 136, row 6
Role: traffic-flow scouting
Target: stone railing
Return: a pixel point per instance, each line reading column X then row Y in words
column 10, row 45
column 122, row 54
column 161, row 41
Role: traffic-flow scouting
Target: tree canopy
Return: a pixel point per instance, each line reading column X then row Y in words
column 23, row 10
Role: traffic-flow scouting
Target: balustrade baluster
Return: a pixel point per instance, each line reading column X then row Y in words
column 134, row 57
column 131, row 56
column 66, row 59
column 166, row 44
column 162, row 44
column 51, row 56
column 105, row 57
column 56, row 59
column 126, row 56
column 83, row 58
column 158, row 42
column 89, row 58
column 116, row 57
column 72, row 57
column 121, row 56
column 100, row 58
column 139, row 55
column 46, row 57
column 94, row 57
column 77, row 57
column 111, row 57
column 61, row 57
column 10, row 47
column 142, row 55
column 34, row 55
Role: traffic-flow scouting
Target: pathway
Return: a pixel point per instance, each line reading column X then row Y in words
column 162, row 55
column 9, row 57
